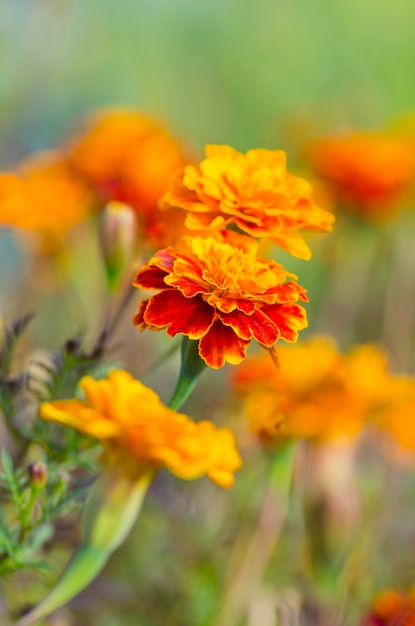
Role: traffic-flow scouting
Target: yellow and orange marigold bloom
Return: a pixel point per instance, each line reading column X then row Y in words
column 370, row 172
column 218, row 292
column 44, row 196
column 252, row 191
column 392, row 608
column 315, row 392
column 128, row 157
column 139, row 430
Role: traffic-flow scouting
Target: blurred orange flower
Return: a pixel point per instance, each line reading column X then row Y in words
column 45, row 196
column 128, row 157
column 218, row 292
column 139, row 430
column 392, row 608
column 252, row 191
column 397, row 421
column 314, row 393
column 370, row 172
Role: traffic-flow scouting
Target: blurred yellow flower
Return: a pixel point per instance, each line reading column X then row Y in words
column 315, row 392
column 370, row 172
column 140, row 431
column 44, row 196
column 251, row 191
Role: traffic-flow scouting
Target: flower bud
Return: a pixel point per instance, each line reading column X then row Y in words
column 38, row 474
column 118, row 234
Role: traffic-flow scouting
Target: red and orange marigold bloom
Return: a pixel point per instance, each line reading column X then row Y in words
column 44, row 196
column 370, row 172
column 128, row 157
column 138, row 430
column 216, row 291
column 315, row 393
column 392, row 608
column 252, row 191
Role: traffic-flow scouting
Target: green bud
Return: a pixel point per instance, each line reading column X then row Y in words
column 118, row 236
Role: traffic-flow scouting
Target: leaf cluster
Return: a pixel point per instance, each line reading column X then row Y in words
column 29, row 509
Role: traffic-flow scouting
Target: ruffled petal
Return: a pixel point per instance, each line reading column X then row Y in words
column 171, row 310
column 264, row 329
column 240, row 324
column 149, row 277
column 293, row 243
column 221, row 345
column 138, row 319
column 289, row 319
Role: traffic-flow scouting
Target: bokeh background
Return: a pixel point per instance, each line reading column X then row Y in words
column 248, row 73
column 232, row 71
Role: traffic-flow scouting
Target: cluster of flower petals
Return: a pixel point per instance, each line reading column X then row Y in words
column 137, row 426
column 129, row 157
column 121, row 156
column 369, row 171
column 217, row 291
column 253, row 192
column 392, row 608
column 319, row 393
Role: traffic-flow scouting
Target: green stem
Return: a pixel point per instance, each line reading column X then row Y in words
column 85, row 565
column 282, row 470
column 110, row 514
column 191, row 367
column 245, row 575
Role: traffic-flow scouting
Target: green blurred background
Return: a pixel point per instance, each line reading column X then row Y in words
column 250, row 73
column 234, row 71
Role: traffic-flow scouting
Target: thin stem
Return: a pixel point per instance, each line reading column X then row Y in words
column 256, row 557
column 121, row 308
column 153, row 367
column 109, row 516
column 110, row 323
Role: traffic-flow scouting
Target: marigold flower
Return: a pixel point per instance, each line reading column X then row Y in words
column 131, row 419
column 252, row 191
column 314, row 393
column 397, row 420
column 128, row 157
column 218, row 292
column 392, row 608
column 370, row 172
column 44, row 196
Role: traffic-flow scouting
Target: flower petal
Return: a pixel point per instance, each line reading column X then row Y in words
column 264, row 328
column 288, row 318
column 150, row 277
column 221, row 345
column 170, row 309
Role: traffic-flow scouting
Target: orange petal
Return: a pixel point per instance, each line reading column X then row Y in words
column 222, row 345
column 170, row 309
